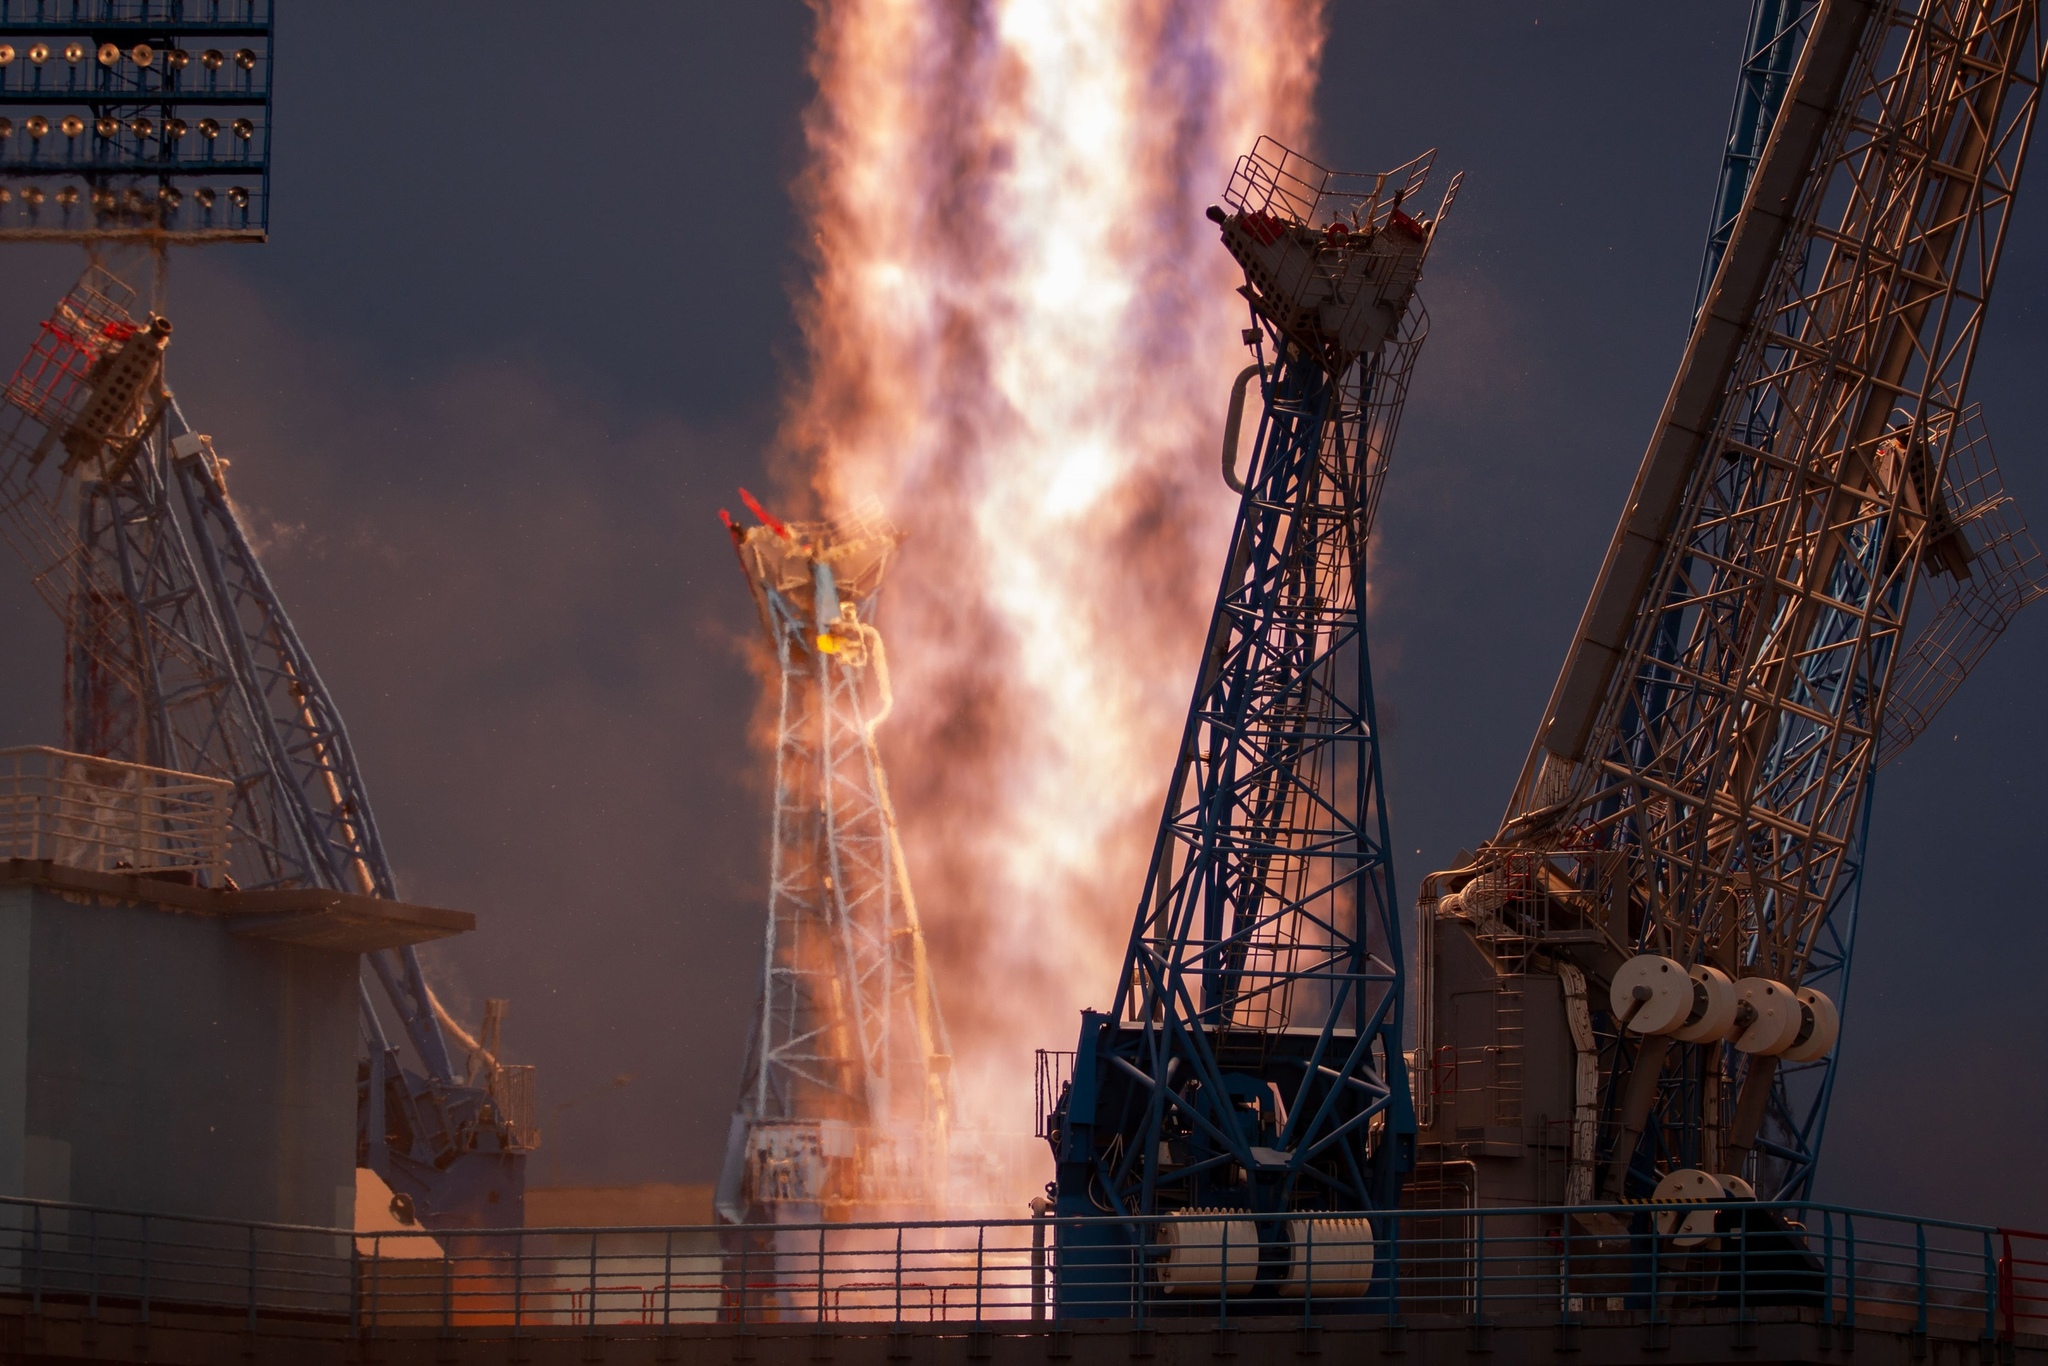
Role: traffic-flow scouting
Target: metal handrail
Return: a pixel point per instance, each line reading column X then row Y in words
column 1567, row 1265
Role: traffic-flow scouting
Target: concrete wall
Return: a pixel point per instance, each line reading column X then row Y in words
column 151, row 1060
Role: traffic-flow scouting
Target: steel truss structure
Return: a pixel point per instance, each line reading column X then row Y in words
column 846, row 1096
column 1252, row 1059
column 1700, row 786
column 180, row 655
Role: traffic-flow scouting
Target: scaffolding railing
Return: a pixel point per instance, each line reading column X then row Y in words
column 106, row 816
column 1647, row 1262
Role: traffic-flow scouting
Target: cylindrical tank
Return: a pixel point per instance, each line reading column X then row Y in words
column 1209, row 1256
column 1332, row 1258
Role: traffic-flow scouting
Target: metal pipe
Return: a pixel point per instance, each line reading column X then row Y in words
column 1232, row 423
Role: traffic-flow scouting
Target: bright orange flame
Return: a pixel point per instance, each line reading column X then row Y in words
column 1022, row 333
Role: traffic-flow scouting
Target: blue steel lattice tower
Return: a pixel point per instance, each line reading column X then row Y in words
column 1252, row 1057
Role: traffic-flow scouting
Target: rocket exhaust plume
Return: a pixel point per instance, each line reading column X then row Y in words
column 1021, row 337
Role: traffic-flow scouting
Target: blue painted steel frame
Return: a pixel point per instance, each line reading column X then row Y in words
column 1253, row 1056
column 1776, row 35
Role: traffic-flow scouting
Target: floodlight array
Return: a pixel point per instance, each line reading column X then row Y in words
column 135, row 118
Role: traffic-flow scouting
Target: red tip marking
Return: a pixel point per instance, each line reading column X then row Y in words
column 768, row 519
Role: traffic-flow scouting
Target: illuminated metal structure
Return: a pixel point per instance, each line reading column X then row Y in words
column 146, row 122
column 1635, row 984
column 845, row 1100
column 1252, row 1059
column 139, row 119
column 181, row 656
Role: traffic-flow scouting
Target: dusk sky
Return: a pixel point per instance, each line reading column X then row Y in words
column 526, row 320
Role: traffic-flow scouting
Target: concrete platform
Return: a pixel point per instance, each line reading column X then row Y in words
column 181, row 1049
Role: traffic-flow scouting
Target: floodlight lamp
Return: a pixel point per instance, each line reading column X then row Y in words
column 175, row 129
column 72, row 125
column 39, row 53
column 6, row 54
column 6, row 194
column 177, row 59
column 170, row 198
column 106, row 126
column 211, row 59
column 244, row 129
column 103, row 200
column 37, row 125
column 32, row 195
column 141, row 127
column 142, row 54
column 245, row 59
column 238, row 197
column 109, row 54
column 68, row 196
column 74, row 52
column 132, row 201
column 209, row 129
column 6, row 128
column 204, row 196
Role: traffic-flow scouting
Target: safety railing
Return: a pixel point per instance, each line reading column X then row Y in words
column 1643, row 1262
column 107, row 816
column 2022, row 1282
column 108, row 1260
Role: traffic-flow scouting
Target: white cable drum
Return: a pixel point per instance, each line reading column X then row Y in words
column 1209, row 1256
column 1735, row 1187
column 1777, row 1016
column 1652, row 992
column 1333, row 1258
column 1718, row 1018
column 1687, row 1228
column 1820, row 1024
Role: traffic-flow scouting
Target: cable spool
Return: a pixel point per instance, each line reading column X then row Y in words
column 1774, row 1016
column 1713, row 1006
column 1332, row 1258
column 1735, row 1187
column 1209, row 1256
column 1820, row 1025
column 1687, row 1228
column 1651, row 993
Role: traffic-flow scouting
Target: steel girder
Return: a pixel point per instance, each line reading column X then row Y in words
column 1709, row 747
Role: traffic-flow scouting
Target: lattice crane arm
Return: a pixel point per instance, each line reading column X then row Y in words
column 1690, row 819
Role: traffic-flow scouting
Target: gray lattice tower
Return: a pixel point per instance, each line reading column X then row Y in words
column 845, row 1097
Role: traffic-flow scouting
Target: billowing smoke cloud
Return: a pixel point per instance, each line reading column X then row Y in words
column 1021, row 332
